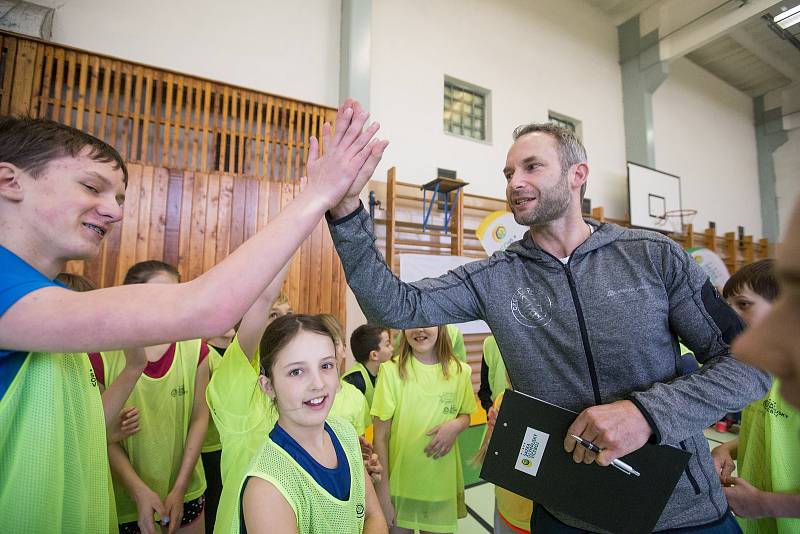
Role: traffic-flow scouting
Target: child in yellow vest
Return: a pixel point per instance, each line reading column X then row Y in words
column 371, row 347
column 241, row 412
column 156, row 471
column 61, row 194
column 766, row 495
column 423, row 401
column 350, row 404
column 260, row 314
column 309, row 476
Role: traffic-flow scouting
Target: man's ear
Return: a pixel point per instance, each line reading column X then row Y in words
column 266, row 386
column 373, row 355
column 10, row 185
column 580, row 175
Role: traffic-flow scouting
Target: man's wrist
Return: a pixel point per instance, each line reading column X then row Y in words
column 345, row 208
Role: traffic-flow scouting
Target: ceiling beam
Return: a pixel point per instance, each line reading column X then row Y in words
column 695, row 32
column 787, row 68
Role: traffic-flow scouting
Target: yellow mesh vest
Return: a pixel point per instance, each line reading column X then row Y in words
column 165, row 410
column 369, row 390
column 212, row 441
column 316, row 510
column 349, row 404
column 54, row 474
column 497, row 369
column 769, row 456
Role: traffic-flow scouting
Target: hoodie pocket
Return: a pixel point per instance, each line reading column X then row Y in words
column 689, row 475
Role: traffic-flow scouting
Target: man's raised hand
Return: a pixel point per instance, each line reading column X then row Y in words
column 351, row 155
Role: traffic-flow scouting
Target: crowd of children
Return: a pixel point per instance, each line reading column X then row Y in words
column 261, row 428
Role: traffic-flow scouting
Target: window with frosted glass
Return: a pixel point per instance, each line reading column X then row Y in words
column 465, row 110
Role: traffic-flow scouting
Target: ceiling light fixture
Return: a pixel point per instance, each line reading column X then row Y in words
column 790, row 17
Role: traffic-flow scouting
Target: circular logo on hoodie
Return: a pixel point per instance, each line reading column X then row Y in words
column 531, row 308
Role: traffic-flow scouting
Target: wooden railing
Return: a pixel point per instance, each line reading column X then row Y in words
column 158, row 117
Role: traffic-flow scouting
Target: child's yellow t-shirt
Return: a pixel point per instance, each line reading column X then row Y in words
column 351, row 405
column 244, row 416
column 426, row 492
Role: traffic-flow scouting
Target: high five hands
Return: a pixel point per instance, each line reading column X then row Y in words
column 351, row 154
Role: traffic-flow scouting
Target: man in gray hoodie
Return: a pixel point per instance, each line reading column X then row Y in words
column 587, row 317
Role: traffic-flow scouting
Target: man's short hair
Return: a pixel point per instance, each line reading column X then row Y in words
column 570, row 148
column 759, row 276
column 364, row 340
column 31, row 144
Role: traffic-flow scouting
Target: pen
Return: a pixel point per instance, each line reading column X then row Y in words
column 619, row 464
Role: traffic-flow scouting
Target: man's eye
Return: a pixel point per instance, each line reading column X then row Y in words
column 90, row 188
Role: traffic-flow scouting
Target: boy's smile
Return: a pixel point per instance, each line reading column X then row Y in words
column 67, row 211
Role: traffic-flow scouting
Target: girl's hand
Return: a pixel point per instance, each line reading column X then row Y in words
column 491, row 416
column 148, row 503
column 443, row 437
column 744, row 499
column 173, row 505
column 124, row 425
column 723, row 462
column 371, row 462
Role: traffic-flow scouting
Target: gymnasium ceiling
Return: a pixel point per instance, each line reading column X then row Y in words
column 754, row 55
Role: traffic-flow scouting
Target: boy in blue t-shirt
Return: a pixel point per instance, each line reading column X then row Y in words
column 61, row 193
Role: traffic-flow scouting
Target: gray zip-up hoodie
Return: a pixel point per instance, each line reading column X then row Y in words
column 601, row 328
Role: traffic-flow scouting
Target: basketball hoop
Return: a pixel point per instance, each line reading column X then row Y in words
column 679, row 219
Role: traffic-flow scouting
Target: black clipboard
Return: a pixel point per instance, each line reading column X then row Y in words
column 526, row 455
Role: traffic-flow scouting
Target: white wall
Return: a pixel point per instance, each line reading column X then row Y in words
column 533, row 56
column 284, row 48
column 704, row 133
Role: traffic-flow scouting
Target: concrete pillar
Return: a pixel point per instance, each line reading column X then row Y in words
column 769, row 136
column 642, row 73
column 356, row 37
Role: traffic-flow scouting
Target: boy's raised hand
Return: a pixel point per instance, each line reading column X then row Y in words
column 351, row 156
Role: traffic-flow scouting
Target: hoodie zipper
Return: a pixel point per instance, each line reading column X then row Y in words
column 587, row 349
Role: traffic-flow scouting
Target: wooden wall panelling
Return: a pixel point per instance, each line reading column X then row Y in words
column 83, row 79
column 23, row 74
column 225, row 212
column 184, row 224
column 158, row 214
column 144, row 220
column 212, row 222
column 59, row 85
column 94, row 80
column 9, row 60
column 137, row 79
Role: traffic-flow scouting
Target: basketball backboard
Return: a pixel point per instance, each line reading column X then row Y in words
column 651, row 194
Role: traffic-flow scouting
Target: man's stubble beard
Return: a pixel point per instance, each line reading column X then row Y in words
column 551, row 205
